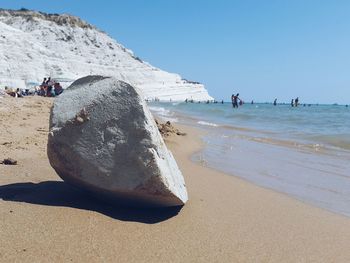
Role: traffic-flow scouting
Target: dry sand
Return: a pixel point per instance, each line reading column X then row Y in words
column 226, row 220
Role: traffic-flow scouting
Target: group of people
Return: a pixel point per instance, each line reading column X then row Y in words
column 237, row 101
column 49, row 88
column 17, row 93
column 293, row 103
column 207, row 102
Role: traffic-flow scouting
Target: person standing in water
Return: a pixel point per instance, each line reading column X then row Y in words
column 234, row 99
column 292, row 103
column 296, row 102
column 275, row 102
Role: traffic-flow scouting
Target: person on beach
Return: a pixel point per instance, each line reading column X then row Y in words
column 10, row 92
column 292, row 103
column 50, row 91
column 43, row 87
column 275, row 102
column 18, row 93
column 58, row 88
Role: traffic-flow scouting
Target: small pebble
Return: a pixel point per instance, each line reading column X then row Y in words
column 8, row 161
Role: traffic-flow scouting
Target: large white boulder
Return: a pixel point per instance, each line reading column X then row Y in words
column 103, row 138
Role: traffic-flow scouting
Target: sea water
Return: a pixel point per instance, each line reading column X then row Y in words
column 301, row 151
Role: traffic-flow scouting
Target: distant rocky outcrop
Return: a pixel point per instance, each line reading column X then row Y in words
column 104, row 139
column 63, row 19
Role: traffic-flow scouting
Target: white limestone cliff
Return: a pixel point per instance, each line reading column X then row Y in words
column 34, row 45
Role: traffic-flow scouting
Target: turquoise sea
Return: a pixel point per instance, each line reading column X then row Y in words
column 301, row 151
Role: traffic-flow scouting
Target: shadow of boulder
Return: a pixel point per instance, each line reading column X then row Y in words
column 57, row 193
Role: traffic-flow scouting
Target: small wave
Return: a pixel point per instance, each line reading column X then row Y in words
column 164, row 114
column 159, row 110
column 207, row 123
column 340, row 141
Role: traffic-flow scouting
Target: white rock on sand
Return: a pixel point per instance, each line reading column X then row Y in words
column 104, row 139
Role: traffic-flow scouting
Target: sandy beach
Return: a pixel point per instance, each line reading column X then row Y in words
column 226, row 219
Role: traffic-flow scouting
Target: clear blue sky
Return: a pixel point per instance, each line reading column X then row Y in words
column 261, row 49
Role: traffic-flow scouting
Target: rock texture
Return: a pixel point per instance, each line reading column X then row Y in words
column 166, row 129
column 104, row 139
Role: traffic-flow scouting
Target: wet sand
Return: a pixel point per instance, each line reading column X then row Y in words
column 226, row 219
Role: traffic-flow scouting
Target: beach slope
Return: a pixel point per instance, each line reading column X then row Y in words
column 225, row 220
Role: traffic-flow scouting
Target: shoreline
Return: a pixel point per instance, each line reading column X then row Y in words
column 310, row 172
column 226, row 219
